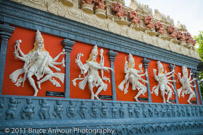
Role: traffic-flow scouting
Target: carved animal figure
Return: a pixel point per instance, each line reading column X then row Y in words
column 149, row 22
column 135, row 18
column 180, row 36
column 159, row 27
column 99, row 4
column 118, row 10
column 172, row 32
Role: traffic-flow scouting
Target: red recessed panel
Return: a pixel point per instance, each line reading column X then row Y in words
column 120, row 76
column 153, row 82
column 52, row 45
column 85, row 49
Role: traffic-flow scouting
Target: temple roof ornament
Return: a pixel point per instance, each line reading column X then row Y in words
column 110, row 20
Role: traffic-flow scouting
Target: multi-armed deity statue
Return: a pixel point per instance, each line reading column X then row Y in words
column 163, row 82
column 37, row 63
column 90, row 72
column 186, row 86
column 132, row 76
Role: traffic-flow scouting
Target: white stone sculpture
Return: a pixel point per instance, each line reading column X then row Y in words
column 37, row 63
column 186, row 86
column 163, row 83
column 91, row 74
column 132, row 76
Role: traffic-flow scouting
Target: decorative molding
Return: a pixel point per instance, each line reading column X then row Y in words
column 112, row 55
column 76, row 14
column 68, row 44
column 146, row 64
column 138, row 117
column 172, row 67
column 194, row 84
column 5, row 33
column 66, row 28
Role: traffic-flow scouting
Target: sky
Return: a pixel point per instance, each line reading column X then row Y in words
column 187, row 12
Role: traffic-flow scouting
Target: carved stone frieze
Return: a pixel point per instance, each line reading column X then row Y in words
column 71, row 110
column 28, row 110
column 176, row 117
column 44, row 111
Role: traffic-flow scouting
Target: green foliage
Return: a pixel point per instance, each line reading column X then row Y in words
column 199, row 40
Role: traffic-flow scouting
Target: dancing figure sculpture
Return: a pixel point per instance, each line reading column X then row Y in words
column 37, row 63
column 91, row 74
column 185, row 81
column 163, row 83
column 132, row 76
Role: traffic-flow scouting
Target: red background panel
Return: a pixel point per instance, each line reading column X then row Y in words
column 153, row 82
column 85, row 49
column 120, row 76
column 182, row 100
column 52, row 45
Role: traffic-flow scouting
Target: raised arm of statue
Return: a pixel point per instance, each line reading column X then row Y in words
column 56, row 68
column 155, row 76
column 190, row 75
column 56, row 58
column 140, row 67
column 126, row 70
column 83, row 67
column 17, row 48
column 19, row 57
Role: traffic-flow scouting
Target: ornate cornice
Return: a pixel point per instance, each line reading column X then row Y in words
column 58, row 8
column 23, row 16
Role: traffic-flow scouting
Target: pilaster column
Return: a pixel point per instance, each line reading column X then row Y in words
column 112, row 55
column 68, row 44
column 193, row 76
column 171, row 67
column 146, row 64
column 200, row 94
column 5, row 33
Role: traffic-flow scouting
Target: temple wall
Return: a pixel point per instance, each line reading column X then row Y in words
column 118, row 112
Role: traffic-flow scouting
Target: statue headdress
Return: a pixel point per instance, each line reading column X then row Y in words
column 160, row 66
column 130, row 60
column 38, row 38
column 94, row 51
column 184, row 69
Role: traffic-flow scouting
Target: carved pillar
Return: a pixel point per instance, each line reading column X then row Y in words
column 68, row 44
column 193, row 76
column 171, row 67
column 112, row 56
column 200, row 94
column 5, row 33
column 146, row 64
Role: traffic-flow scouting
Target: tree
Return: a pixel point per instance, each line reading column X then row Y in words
column 199, row 40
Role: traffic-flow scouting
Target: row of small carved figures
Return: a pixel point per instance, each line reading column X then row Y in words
column 149, row 22
column 156, row 128
column 115, row 110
